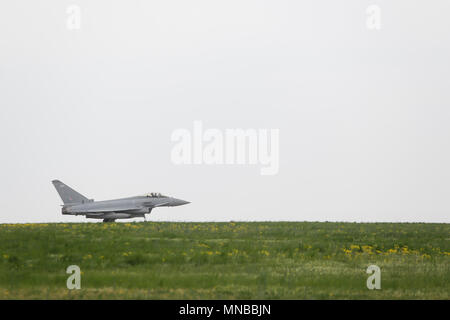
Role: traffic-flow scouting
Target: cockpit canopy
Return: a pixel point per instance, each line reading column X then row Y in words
column 155, row 195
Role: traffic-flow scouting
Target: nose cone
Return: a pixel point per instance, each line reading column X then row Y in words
column 178, row 202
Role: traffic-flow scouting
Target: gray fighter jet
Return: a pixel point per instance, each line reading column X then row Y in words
column 110, row 210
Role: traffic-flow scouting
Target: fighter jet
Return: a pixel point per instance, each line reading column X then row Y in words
column 110, row 210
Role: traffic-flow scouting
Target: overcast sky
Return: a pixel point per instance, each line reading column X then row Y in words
column 363, row 114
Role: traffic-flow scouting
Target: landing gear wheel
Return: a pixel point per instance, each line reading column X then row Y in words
column 109, row 220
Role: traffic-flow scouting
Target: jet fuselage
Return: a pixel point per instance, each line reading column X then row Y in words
column 109, row 210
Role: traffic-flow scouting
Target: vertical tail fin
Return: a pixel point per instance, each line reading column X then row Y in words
column 67, row 194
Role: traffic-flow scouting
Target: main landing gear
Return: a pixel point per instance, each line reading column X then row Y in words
column 109, row 220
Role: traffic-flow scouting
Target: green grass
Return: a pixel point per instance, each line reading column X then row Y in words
column 255, row 260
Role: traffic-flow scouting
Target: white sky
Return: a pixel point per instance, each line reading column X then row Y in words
column 363, row 115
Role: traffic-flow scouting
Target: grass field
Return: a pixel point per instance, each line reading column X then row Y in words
column 255, row 260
